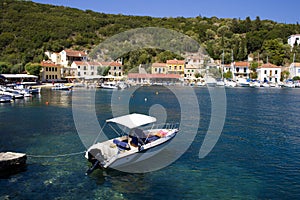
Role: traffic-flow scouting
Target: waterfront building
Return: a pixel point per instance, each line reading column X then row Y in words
column 226, row 68
column 159, row 68
column 240, row 70
column 269, row 73
column 50, row 71
column 89, row 70
column 84, row 68
column 116, row 68
column 190, row 71
column 175, row 66
column 67, row 57
column 294, row 69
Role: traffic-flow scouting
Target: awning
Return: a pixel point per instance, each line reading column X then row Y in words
column 133, row 120
column 18, row 76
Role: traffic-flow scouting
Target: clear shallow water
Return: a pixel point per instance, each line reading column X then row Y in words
column 256, row 157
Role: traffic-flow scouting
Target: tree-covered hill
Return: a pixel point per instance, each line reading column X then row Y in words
column 27, row 29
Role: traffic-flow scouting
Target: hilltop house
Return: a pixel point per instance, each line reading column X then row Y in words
column 269, row 73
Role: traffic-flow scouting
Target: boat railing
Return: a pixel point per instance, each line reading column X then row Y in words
column 166, row 126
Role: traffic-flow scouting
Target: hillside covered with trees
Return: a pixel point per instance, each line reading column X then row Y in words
column 28, row 29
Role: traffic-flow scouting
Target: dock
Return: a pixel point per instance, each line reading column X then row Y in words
column 11, row 162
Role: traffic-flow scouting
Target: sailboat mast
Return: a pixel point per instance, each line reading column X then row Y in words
column 222, row 66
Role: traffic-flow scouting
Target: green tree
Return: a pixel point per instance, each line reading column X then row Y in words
column 274, row 50
column 284, row 75
column 103, row 71
column 296, row 78
column 5, row 67
column 33, row 68
column 227, row 75
column 198, row 75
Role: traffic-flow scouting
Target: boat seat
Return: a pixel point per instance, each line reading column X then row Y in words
column 134, row 141
column 152, row 138
column 121, row 145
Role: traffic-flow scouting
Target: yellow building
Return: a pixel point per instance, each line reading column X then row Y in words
column 51, row 71
column 159, row 68
column 175, row 66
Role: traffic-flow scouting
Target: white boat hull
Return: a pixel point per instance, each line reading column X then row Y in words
column 124, row 158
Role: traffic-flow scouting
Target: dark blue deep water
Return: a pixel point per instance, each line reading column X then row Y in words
column 256, row 157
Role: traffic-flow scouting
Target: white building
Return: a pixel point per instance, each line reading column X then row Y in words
column 293, row 39
column 226, row 68
column 85, row 69
column 67, row 57
column 240, row 70
column 294, row 70
column 195, row 60
column 269, row 73
column 190, row 71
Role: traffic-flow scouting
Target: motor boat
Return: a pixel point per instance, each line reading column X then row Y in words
column 62, row 87
column 133, row 145
column 109, row 85
column 5, row 98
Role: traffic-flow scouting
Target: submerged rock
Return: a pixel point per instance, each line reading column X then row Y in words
column 11, row 163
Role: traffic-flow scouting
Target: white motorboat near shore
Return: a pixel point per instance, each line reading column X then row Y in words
column 132, row 146
column 109, row 85
column 61, row 87
column 5, row 99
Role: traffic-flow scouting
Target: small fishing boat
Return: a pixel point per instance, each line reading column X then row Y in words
column 13, row 94
column 61, row 87
column 242, row 82
column 255, row 84
column 131, row 146
column 109, row 85
column 5, row 98
column 36, row 90
column 220, row 83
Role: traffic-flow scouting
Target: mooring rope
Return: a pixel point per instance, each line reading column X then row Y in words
column 55, row 156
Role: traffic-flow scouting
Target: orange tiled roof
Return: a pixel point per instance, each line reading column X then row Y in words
column 241, row 64
column 297, row 64
column 268, row 65
column 73, row 53
column 159, row 65
column 48, row 63
column 113, row 64
column 87, row 63
column 176, row 62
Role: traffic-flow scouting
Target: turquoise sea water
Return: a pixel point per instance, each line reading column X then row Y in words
column 256, row 157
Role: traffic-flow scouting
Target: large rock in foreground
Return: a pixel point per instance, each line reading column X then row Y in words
column 11, row 162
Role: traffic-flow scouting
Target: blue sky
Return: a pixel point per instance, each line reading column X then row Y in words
column 287, row 11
